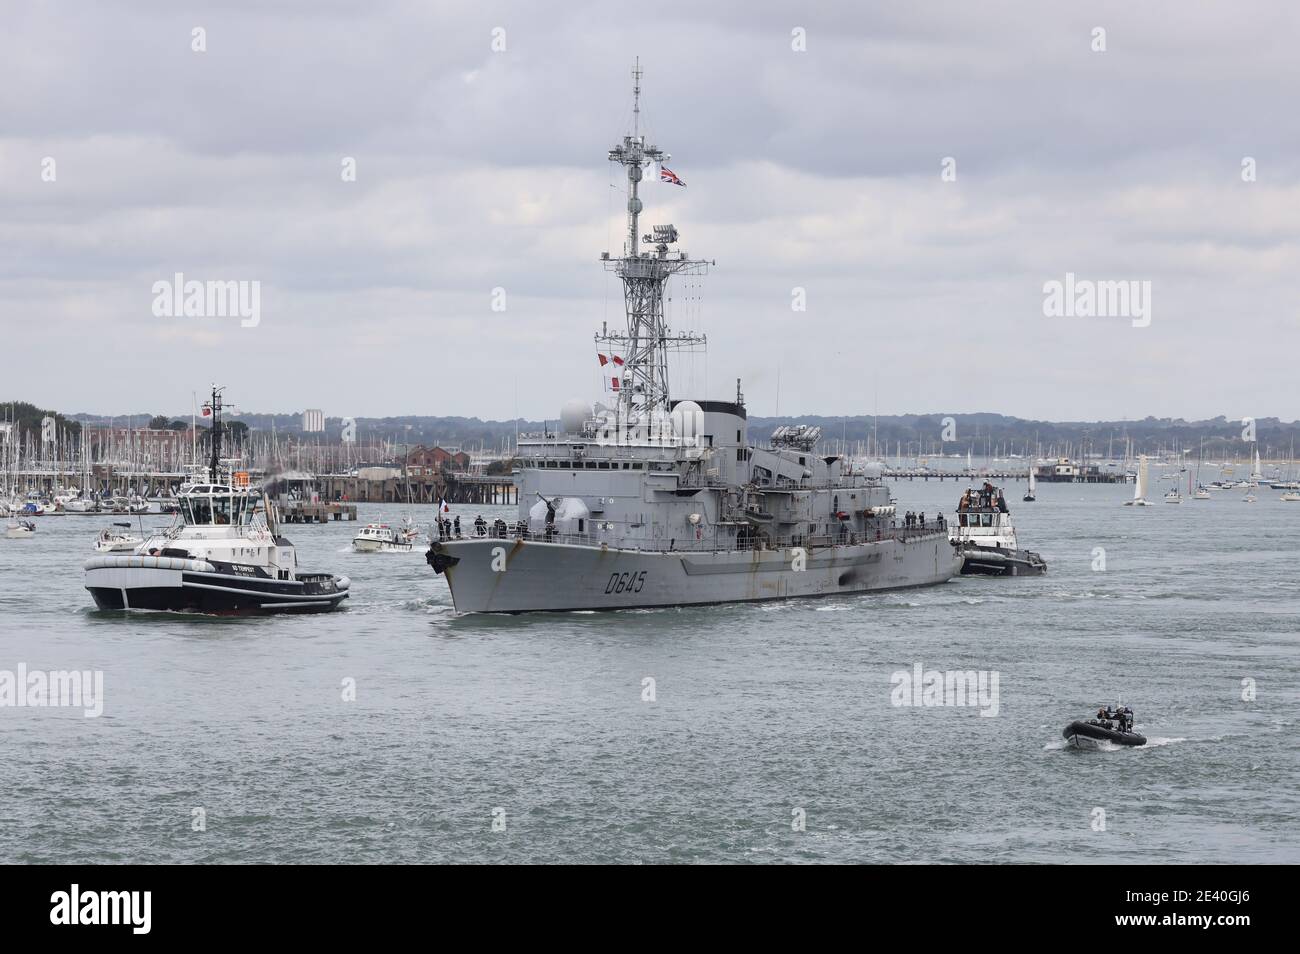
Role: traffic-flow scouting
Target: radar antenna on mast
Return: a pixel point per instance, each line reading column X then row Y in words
column 214, row 462
column 642, row 382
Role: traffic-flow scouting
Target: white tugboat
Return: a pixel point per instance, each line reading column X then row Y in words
column 985, row 538
column 222, row 556
column 663, row 502
column 382, row 538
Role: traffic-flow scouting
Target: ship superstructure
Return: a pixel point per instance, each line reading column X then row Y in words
column 655, row 501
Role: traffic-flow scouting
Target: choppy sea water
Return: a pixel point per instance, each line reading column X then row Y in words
column 763, row 714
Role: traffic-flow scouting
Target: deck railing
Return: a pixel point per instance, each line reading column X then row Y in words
column 707, row 540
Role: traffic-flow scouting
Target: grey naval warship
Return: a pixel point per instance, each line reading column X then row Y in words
column 662, row 502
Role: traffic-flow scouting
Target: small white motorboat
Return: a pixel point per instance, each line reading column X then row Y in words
column 117, row 539
column 19, row 530
column 380, row 537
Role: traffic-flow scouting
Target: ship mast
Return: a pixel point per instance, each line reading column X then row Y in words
column 643, row 380
column 214, row 462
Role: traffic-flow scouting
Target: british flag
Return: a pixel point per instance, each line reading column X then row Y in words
column 667, row 175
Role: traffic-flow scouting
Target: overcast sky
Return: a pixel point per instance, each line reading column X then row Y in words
column 817, row 169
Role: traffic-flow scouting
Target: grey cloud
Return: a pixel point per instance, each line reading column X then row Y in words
column 818, row 170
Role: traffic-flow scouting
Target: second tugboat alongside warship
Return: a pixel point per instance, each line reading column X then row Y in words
column 663, row 502
column 985, row 538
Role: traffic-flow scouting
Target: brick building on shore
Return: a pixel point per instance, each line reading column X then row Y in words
column 424, row 461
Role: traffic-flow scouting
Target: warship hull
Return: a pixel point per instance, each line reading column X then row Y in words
column 533, row 575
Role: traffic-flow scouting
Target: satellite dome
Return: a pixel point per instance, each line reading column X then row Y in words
column 688, row 420
column 573, row 415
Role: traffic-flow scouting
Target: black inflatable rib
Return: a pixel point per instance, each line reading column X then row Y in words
column 1094, row 731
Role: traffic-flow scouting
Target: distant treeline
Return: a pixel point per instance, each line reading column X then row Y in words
column 980, row 434
column 918, row 434
column 28, row 417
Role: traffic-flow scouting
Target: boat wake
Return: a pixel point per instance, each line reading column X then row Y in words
column 1103, row 745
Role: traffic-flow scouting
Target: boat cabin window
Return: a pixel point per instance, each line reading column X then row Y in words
column 197, row 510
column 217, row 510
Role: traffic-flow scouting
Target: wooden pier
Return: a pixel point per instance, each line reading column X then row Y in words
column 1004, row 476
column 319, row 511
column 449, row 486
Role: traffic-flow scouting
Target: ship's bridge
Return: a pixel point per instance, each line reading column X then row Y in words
column 207, row 505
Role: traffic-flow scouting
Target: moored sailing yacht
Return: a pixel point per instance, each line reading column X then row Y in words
column 222, row 556
column 664, row 502
column 1140, row 487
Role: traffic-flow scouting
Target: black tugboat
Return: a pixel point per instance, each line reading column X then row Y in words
column 1113, row 724
column 984, row 536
